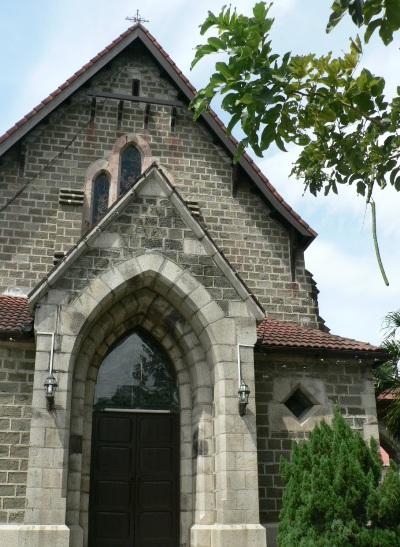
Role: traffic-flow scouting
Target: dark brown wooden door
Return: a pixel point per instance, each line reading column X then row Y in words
column 134, row 498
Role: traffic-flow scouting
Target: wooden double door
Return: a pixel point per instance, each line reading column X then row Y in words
column 134, row 497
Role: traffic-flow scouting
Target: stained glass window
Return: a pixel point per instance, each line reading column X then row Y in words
column 136, row 374
column 101, row 189
column 131, row 167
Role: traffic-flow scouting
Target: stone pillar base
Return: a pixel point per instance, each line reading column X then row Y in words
column 20, row 535
column 222, row 535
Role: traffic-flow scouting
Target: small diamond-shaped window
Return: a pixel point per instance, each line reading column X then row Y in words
column 299, row 403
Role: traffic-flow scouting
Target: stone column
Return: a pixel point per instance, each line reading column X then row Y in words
column 48, row 453
column 236, row 475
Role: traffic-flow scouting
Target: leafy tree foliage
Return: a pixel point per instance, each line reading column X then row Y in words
column 335, row 495
column 374, row 14
column 387, row 378
column 347, row 129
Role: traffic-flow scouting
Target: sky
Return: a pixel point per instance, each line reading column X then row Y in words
column 43, row 42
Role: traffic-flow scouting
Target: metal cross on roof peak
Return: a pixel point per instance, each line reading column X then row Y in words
column 137, row 18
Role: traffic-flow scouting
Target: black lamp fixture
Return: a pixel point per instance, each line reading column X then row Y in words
column 50, row 386
column 244, row 393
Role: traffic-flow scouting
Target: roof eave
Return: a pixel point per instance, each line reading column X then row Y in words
column 87, row 73
column 376, row 356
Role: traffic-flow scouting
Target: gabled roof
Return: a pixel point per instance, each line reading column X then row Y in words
column 139, row 33
column 274, row 334
column 191, row 221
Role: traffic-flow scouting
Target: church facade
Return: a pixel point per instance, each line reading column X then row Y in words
column 161, row 347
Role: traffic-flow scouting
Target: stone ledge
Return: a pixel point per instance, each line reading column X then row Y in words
column 20, row 535
column 222, row 535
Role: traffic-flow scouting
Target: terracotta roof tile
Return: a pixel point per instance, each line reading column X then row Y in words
column 15, row 315
column 272, row 333
column 16, row 318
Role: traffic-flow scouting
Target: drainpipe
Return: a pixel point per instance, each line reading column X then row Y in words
column 243, row 391
column 50, row 383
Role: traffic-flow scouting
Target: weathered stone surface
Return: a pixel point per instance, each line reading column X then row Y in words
column 16, row 369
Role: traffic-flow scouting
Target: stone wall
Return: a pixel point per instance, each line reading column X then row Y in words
column 327, row 382
column 58, row 153
column 148, row 223
column 16, row 383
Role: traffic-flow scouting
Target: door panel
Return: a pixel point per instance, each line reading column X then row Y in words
column 134, row 498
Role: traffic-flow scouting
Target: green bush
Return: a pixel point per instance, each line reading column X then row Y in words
column 335, row 495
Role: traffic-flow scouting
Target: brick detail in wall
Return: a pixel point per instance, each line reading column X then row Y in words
column 36, row 225
column 16, row 381
column 347, row 385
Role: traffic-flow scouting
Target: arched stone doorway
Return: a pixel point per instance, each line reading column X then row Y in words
column 142, row 309
column 218, row 460
column 134, row 479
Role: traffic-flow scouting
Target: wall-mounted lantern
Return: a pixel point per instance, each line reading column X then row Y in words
column 244, row 393
column 50, row 386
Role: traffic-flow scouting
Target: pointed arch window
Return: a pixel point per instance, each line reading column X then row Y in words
column 101, row 191
column 130, row 168
column 136, row 374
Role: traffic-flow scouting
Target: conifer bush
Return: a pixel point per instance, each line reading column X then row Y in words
column 335, row 495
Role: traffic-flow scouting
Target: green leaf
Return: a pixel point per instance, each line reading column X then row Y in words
column 233, row 121
column 356, row 44
column 208, row 23
column 216, row 43
column 229, row 101
column 247, row 98
column 280, row 144
column 393, row 175
column 260, row 11
column 268, row 135
column 361, row 187
column 373, row 25
column 393, row 13
column 327, row 114
column 224, row 70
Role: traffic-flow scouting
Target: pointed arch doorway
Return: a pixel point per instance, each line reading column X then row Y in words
column 134, row 481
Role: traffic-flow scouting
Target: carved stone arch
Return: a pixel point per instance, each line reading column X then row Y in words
column 123, row 142
column 168, row 279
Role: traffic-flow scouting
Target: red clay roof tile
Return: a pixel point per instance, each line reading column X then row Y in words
column 15, row 315
column 272, row 333
column 16, row 318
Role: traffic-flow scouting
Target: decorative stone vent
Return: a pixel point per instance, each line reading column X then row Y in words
column 58, row 257
column 299, row 403
column 194, row 208
column 70, row 197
